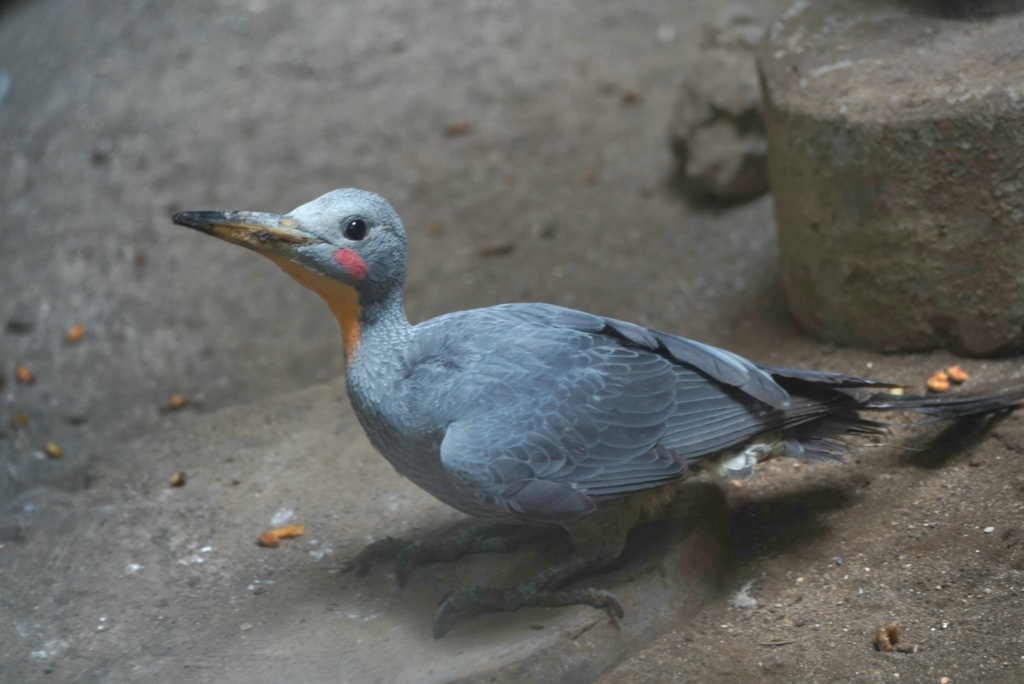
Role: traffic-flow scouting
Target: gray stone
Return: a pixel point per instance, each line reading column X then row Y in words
column 897, row 166
column 716, row 128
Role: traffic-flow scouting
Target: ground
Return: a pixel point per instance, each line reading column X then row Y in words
column 924, row 537
column 525, row 146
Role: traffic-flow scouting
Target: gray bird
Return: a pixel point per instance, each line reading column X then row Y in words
column 538, row 415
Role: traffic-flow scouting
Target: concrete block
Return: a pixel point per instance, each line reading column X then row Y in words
column 896, row 158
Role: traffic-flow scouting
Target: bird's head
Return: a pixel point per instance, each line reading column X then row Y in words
column 350, row 236
column 348, row 246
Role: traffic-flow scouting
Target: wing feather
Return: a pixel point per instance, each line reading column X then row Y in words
column 562, row 404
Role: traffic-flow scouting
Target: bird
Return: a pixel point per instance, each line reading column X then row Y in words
column 532, row 416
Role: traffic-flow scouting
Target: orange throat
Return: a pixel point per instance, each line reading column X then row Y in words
column 342, row 299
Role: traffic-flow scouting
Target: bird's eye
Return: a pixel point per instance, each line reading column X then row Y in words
column 356, row 229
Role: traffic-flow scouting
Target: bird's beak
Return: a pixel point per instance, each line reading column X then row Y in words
column 264, row 233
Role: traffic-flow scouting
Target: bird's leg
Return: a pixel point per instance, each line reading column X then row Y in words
column 541, row 590
column 483, row 538
column 600, row 539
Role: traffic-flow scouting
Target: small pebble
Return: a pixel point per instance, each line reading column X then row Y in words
column 630, row 98
column 177, row 401
column 75, row 333
column 458, row 128
column 24, row 374
column 957, row 374
column 77, row 417
column 271, row 539
column 939, row 382
column 989, row 530
column 497, row 249
column 887, row 637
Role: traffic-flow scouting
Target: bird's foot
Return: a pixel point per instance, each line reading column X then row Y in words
column 485, row 538
column 542, row 590
column 476, row 599
column 388, row 548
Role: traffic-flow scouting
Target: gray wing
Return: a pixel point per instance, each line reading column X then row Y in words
column 564, row 431
column 717, row 364
column 565, row 408
column 555, row 408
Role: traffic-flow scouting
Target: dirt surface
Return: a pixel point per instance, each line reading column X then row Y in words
column 525, row 146
column 927, row 536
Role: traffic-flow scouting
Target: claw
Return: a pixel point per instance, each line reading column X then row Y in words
column 410, row 555
column 604, row 600
column 468, row 601
column 360, row 565
column 476, row 599
column 444, row 615
column 388, row 548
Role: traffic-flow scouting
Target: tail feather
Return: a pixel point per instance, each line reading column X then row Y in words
column 827, row 437
column 949, row 406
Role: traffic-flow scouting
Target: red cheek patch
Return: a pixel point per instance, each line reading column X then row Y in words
column 351, row 262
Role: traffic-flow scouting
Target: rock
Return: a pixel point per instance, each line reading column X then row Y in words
column 896, row 141
column 716, row 129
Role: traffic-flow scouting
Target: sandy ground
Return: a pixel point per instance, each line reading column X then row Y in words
column 929, row 538
column 560, row 189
